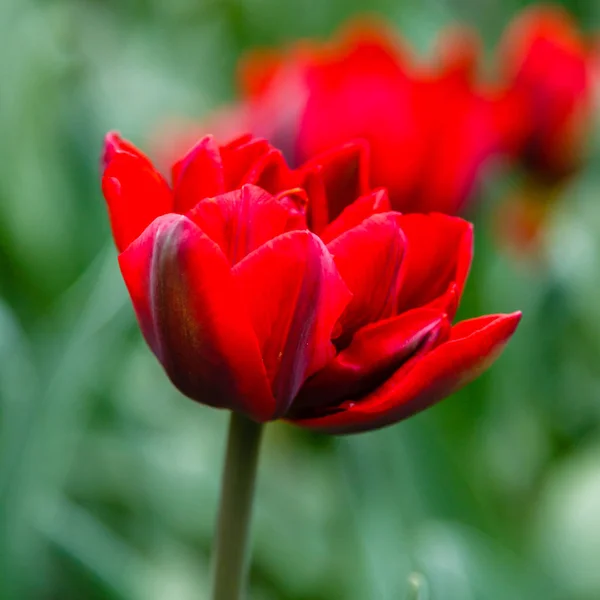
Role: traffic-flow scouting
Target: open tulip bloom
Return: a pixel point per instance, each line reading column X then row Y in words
column 292, row 294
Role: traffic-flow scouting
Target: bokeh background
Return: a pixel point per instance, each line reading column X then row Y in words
column 109, row 478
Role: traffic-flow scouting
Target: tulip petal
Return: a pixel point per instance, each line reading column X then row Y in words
column 294, row 296
column 198, row 175
column 447, row 302
column 239, row 156
column 373, row 203
column 190, row 312
column 471, row 349
column 135, row 195
column 439, row 249
column 114, row 144
column 375, row 353
column 296, row 203
column 345, row 173
column 271, row 173
column 369, row 258
column 317, row 212
column 242, row 220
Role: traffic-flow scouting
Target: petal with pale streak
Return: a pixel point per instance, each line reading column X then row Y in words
column 191, row 313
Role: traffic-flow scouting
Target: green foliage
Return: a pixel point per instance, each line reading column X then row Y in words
column 109, row 479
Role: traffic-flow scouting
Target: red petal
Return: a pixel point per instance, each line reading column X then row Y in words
column 242, row 220
column 421, row 383
column 369, row 258
column 296, row 202
column 295, row 296
column 114, row 144
column 135, row 194
column 318, row 213
column 439, row 249
column 376, row 352
column 239, row 157
column 375, row 202
column 198, row 175
column 190, row 311
column 239, row 141
column 345, row 172
column 271, row 173
column 447, row 302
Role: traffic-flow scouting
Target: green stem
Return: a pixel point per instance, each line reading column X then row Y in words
column 230, row 552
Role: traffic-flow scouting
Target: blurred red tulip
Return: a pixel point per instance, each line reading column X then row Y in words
column 548, row 68
column 545, row 59
column 465, row 124
column 294, row 293
column 431, row 128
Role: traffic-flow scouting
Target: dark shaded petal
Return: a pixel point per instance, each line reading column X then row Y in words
column 375, row 353
column 473, row 346
column 317, row 215
column 345, row 174
column 191, row 313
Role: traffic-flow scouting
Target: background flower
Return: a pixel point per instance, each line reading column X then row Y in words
column 365, row 83
column 546, row 59
column 547, row 65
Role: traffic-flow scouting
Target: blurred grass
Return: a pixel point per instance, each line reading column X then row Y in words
column 109, row 479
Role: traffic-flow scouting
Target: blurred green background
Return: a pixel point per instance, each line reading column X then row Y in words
column 109, row 478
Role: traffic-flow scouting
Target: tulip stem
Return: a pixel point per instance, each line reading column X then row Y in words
column 230, row 551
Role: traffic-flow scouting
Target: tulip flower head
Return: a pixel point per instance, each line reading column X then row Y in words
column 294, row 293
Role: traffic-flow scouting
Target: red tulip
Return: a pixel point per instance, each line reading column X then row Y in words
column 431, row 128
column 546, row 60
column 317, row 304
column 465, row 126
